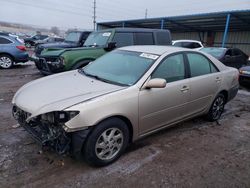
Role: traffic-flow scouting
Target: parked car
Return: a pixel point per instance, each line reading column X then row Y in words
column 12, row 51
column 50, row 39
column 97, row 44
column 73, row 39
column 244, row 77
column 30, row 41
column 122, row 96
column 231, row 57
column 192, row 44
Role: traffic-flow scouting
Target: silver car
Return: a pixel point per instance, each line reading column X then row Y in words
column 126, row 94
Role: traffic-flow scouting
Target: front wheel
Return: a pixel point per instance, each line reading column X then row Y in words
column 217, row 108
column 107, row 142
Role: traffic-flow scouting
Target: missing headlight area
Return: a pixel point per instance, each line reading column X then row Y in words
column 47, row 128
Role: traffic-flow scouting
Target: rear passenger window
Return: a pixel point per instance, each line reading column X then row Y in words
column 144, row 38
column 123, row 39
column 200, row 65
column 4, row 41
column 171, row 69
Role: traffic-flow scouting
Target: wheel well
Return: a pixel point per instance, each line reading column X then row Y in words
column 76, row 65
column 128, row 123
column 12, row 57
column 225, row 93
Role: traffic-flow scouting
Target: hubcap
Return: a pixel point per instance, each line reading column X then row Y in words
column 5, row 62
column 218, row 107
column 109, row 144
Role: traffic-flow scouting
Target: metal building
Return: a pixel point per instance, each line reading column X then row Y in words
column 226, row 29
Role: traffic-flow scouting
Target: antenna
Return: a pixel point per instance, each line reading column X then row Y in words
column 94, row 16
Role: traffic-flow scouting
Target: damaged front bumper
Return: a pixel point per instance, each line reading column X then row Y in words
column 52, row 135
column 48, row 66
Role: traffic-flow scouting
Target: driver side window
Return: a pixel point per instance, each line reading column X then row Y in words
column 171, row 69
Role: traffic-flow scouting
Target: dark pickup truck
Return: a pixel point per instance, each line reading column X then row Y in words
column 73, row 39
column 97, row 44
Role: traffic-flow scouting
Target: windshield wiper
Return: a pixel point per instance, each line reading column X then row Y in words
column 102, row 79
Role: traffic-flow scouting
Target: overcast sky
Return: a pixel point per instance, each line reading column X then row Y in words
column 78, row 13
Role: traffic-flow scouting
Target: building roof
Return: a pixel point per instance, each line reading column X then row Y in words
column 216, row 21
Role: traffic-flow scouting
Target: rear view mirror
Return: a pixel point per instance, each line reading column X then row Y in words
column 110, row 46
column 156, row 83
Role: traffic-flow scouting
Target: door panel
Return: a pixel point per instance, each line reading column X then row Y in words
column 202, row 91
column 158, row 107
column 204, row 83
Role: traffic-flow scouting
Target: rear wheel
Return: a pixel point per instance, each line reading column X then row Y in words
column 107, row 142
column 6, row 61
column 217, row 108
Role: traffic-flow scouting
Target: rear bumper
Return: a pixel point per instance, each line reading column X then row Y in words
column 232, row 92
column 23, row 57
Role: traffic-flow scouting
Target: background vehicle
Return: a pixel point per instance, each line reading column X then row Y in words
column 12, row 50
column 72, row 40
column 97, row 44
column 50, row 39
column 192, row 44
column 121, row 97
column 231, row 57
column 244, row 77
column 30, row 41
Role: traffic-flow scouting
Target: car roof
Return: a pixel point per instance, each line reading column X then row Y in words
column 155, row 49
column 126, row 29
column 185, row 40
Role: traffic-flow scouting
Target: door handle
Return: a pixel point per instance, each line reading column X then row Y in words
column 184, row 88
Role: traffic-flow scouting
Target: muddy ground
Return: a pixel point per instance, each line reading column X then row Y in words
column 195, row 153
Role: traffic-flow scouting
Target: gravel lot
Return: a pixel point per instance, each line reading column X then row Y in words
column 193, row 154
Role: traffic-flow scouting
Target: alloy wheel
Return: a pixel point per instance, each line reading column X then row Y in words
column 109, row 144
column 5, row 62
column 218, row 107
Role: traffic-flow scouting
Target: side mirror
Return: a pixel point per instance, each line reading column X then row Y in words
column 110, row 46
column 156, row 83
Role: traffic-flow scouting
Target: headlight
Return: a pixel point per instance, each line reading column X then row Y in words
column 61, row 61
column 244, row 72
column 59, row 116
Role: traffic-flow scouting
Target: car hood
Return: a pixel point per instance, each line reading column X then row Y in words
column 60, row 91
column 59, row 45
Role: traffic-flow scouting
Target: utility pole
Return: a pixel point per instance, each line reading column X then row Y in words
column 146, row 13
column 94, row 16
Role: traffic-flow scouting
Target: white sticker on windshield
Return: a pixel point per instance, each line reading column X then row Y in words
column 106, row 34
column 149, row 56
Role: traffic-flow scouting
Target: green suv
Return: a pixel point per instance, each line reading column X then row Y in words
column 98, row 43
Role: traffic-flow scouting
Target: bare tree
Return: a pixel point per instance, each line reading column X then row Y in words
column 55, row 30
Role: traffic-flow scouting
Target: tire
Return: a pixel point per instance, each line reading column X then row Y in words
column 101, row 148
column 6, row 61
column 216, row 108
column 81, row 64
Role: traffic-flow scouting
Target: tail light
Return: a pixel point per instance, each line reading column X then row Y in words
column 22, row 48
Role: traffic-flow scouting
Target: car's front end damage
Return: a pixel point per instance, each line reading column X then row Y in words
column 50, row 131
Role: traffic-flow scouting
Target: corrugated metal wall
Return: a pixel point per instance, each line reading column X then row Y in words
column 239, row 40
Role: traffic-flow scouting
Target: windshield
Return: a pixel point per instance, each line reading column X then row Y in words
column 216, row 52
column 97, row 39
column 73, row 37
column 120, row 67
